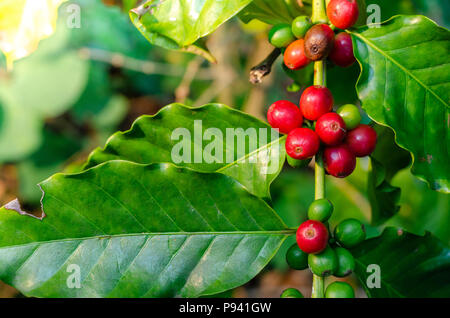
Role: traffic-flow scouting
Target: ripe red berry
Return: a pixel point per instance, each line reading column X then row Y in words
column 331, row 129
column 339, row 161
column 285, row 116
column 316, row 101
column 342, row 52
column 294, row 56
column 362, row 140
column 318, row 42
column 302, row 143
column 312, row 237
column 343, row 13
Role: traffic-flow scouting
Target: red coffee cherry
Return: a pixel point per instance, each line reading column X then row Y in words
column 343, row 13
column 285, row 116
column 312, row 237
column 294, row 56
column 302, row 143
column 342, row 52
column 318, row 42
column 339, row 161
column 362, row 140
column 316, row 101
column 331, row 129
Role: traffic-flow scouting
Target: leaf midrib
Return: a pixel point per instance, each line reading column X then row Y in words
column 216, row 233
column 387, row 56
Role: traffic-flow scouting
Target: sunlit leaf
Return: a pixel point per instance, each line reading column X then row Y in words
column 180, row 25
column 23, row 23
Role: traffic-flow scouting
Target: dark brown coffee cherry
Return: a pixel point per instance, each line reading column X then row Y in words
column 319, row 41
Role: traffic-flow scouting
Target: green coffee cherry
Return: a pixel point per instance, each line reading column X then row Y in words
column 291, row 293
column 350, row 233
column 339, row 290
column 281, row 35
column 300, row 26
column 320, row 210
column 295, row 163
column 351, row 116
column 346, row 262
column 296, row 258
column 323, row 264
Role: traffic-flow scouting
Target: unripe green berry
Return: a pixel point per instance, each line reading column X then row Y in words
column 351, row 116
column 346, row 262
column 323, row 264
column 291, row 293
column 320, row 210
column 296, row 258
column 350, row 233
column 339, row 290
column 295, row 163
column 301, row 25
column 281, row 35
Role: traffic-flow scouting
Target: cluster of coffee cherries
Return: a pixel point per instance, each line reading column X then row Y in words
column 341, row 134
column 303, row 42
column 314, row 126
column 314, row 123
column 323, row 253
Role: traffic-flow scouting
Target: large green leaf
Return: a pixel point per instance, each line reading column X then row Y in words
column 275, row 11
column 410, row 265
column 405, row 84
column 150, row 141
column 180, row 24
column 139, row 231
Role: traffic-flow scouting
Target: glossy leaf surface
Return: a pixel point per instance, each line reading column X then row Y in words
column 131, row 230
column 179, row 24
column 275, row 11
column 405, row 84
column 247, row 149
column 409, row 265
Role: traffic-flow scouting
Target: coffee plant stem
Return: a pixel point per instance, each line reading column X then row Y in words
column 263, row 69
column 319, row 178
column 318, row 282
column 319, row 15
column 318, row 12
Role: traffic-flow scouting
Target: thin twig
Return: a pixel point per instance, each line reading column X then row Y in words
column 183, row 90
column 263, row 69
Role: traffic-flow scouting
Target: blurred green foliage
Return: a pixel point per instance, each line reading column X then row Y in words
column 62, row 98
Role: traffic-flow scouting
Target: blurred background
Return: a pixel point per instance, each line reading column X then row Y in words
column 83, row 84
